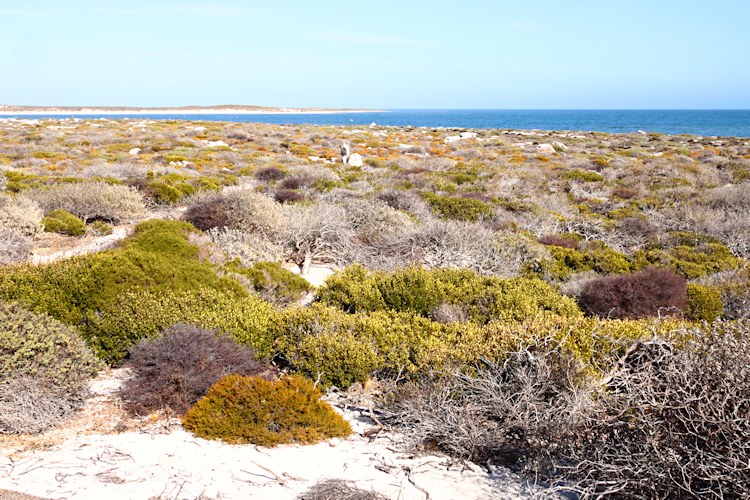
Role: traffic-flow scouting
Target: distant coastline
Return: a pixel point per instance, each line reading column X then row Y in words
column 231, row 109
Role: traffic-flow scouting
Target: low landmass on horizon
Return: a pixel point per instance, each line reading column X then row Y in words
column 217, row 109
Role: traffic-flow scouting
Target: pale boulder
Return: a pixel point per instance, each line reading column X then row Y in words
column 355, row 160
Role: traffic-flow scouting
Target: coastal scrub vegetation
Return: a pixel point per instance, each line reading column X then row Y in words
column 544, row 289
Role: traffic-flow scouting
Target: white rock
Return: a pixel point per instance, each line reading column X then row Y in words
column 468, row 135
column 559, row 146
column 134, row 151
column 217, row 144
column 355, row 160
column 452, row 138
column 546, row 148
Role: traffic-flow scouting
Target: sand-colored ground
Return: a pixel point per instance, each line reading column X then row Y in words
column 104, row 454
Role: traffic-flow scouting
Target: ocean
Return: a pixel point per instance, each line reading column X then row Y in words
column 726, row 123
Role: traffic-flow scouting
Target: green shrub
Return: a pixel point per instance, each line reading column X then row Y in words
column 692, row 258
column 157, row 258
column 420, row 291
column 340, row 348
column 458, row 208
column 596, row 343
column 603, row 259
column 240, row 410
column 583, row 175
column 161, row 192
column 99, row 228
column 274, row 283
column 36, row 345
column 704, row 302
column 63, row 222
column 143, row 314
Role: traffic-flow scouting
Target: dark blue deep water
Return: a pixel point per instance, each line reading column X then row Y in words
column 697, row 122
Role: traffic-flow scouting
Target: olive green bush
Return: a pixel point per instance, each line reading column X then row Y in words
column 274, row 283
column 420, row 291
column 44, row 370
column 458, row 208
column 340, row 349
column 143, row 314
column 63, row 222
column 239, row 409
column 36, row 345
column 157, row 258
column 704, row 302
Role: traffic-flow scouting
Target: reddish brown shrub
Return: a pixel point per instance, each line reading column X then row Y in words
column 208, row 214
column 651, row 292
column 268, row 174
column 297, row 182
column 288, row 196
column 558, row 241
column 176, row 370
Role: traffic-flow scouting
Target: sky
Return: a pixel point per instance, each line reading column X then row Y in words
column 408, row 54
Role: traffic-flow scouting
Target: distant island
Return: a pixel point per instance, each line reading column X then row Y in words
column 173, row 110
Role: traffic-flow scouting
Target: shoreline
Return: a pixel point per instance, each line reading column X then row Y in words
column 177, row 111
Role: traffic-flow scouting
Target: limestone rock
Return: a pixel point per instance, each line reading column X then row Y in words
column 355, row 160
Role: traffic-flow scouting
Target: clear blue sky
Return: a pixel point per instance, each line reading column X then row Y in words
column 384, row 54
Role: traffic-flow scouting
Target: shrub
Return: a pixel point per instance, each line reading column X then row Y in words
column 595, row 343
column 651, row 292
column 274, row 283
column 288, row 196
column 63, row 222
column 338, row 489
column 14, row 246
column 268, row 174
column 458, row 208
column 340, row 349
column 241, row 409
column 37, row 346
column 673, row 426
column 420, row 291
column 511, row 413
column 253, row 212
column 676, row 427
column 20, row 214
column 142, row 314
column 705, row 302
column 99, row 228
column 30, row 405
column 92, row 200
column 583, row 175
column 175, row 370
column 250, row 248
column 157, row 258
column 207, row 213
column 163, row 193
column 691, row 260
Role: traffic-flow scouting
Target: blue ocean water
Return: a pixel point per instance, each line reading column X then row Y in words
column 697, row 122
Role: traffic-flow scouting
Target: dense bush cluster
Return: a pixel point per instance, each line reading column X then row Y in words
column 421, row 291
column 63, row 222
column 176, row 369
column 651, row 292
column 669, row 421
column 89, row 201
column 44, row 370
column 240, row 409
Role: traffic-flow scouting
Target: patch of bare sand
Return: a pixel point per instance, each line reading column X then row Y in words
column 103, row 453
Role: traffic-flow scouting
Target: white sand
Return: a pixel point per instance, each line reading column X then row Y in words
column 163, row 461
